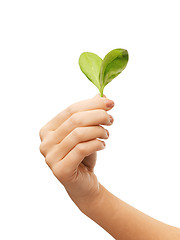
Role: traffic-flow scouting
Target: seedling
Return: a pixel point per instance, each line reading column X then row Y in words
column 101, row 72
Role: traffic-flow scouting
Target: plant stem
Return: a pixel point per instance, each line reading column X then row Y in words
column 101, row 92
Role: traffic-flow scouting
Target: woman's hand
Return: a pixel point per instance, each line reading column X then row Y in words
column 69, row 145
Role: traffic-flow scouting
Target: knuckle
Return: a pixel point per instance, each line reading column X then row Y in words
column 73, row 119
column 49, row 139
column 60, row 172
column 69, row 110
column 77, row 133
column 47, row 159
column 81, row 150
column 42, row 148
column 41, row 131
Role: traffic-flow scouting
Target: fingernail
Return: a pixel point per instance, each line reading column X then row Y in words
column 111, row 119
column 109, row 103
column 107, row 132
column 104, row 144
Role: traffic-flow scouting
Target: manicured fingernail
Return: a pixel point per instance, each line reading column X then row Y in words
column 104, row 145
column 109, row 103
column 111, row 119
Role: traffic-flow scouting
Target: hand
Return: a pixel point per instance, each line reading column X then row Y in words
column 69, row 145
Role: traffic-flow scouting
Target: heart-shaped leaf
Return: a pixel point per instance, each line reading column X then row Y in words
column 112, row 65
column 90, row 65
column 101, row 72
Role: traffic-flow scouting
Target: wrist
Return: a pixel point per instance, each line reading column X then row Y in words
column 94, row 202
column 89, row 203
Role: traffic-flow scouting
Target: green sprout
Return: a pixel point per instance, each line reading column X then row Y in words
column 101, row 72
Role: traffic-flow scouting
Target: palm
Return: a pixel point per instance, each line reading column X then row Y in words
column 84, row 180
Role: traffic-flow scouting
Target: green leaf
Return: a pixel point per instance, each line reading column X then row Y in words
column 101, row 72
column 112, row 65
column 90, row 65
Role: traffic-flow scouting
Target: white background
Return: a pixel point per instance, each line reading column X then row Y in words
column 40, row 44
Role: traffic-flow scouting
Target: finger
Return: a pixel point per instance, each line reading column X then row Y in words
column 96, row 102
column 82, row 119
column 99, row 95
column 72, row 160
column 78, row 135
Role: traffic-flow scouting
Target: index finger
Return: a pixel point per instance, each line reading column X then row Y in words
column 96, row 102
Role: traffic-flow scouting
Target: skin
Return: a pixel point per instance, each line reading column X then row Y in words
column 69, row 143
